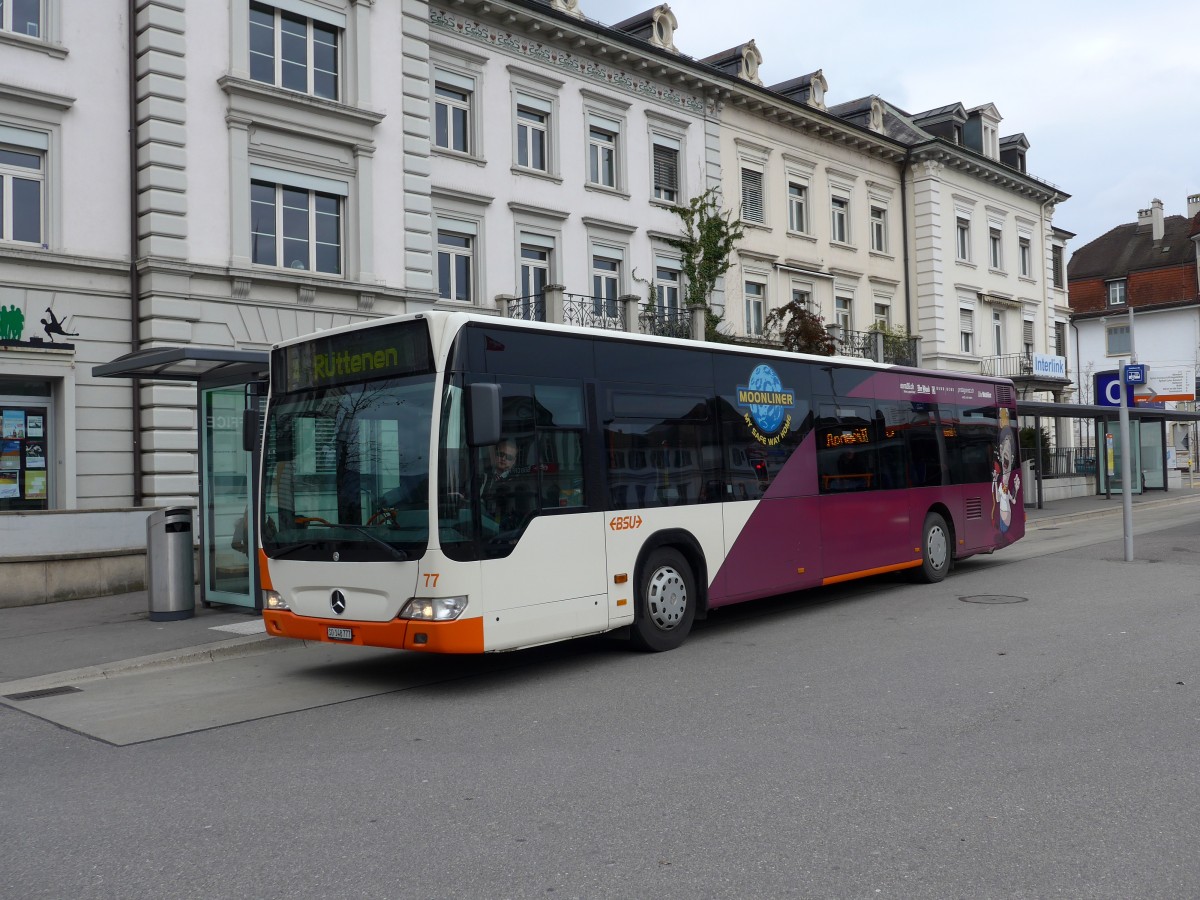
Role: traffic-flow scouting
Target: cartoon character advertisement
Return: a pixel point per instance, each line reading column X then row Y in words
column 1006, row 480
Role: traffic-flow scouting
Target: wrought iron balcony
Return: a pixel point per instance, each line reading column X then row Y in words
column 1010, row 365
column 665, row 322
column 879, row 346
column 593, row 312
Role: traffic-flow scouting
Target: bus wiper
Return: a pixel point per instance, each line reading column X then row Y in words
column 298, row 545
column 398, row 555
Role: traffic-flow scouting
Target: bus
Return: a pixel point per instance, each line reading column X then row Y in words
column 649, row 480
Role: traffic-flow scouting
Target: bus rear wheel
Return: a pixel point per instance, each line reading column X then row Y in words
column 936, row 549
column 666, row 602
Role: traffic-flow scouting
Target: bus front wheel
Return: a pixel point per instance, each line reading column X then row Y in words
column 936, row 549
column 666, row 602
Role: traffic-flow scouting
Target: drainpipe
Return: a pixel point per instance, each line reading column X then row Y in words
column 135, row 291
column 904, row 238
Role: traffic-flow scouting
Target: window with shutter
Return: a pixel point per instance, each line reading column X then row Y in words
column 666, row 173
column 752, row 196
column 966, row 328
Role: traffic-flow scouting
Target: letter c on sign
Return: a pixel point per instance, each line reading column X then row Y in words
column 1112, row 392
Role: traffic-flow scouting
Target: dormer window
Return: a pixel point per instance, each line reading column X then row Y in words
column 1116, row 292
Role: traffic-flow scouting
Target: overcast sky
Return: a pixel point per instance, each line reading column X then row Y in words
column 1107, row 93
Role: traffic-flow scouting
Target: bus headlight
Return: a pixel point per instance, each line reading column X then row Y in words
column 274, row 600
column 434, row 609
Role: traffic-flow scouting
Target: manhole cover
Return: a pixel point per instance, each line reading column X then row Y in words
column 993, row 598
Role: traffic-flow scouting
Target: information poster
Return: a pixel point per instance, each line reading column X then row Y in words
column 12, row 423
column 10, row 456
column 25, row 449
column 35, row 485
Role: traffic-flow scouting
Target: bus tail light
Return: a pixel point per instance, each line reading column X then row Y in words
column 433, row 609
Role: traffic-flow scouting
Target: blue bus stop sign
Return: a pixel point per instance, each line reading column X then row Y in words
column 1108, row 390
column 1135, row 374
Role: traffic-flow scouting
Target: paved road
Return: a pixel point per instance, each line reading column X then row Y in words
column 1026, row 729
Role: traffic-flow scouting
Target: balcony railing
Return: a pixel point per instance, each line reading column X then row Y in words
column 1011, row 365
column 531, row 308
column 593, row 312
column 665, row 322
column 878, row 345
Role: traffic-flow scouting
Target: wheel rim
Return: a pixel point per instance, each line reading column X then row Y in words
column 937, row 547
column 666, row 598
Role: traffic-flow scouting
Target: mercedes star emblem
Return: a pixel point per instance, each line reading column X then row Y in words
column 338, row 601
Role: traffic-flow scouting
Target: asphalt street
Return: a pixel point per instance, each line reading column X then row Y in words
column 1028, row 728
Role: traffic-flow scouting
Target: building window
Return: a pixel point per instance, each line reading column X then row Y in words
column 535, row 270
column 752, row 197
column 666, row 292
column 1116, row 340
column 453, row 96
column 606, row 276
column 802, row 297
column 295, row 228
column 666, row 169
column 797, row 207
column 294, row 52
column 840, row 219
column 1116, row 292
column 1026, row 254
column 22, row 17
column 996, row 248
column 879, row 229
column 1056, row 265
column 966, row 330
column 602, row 152
column 29, row 446
column 883, row 315
column 533, row 134
column 455, row 255
column 22, row 187
column 964, row 239
column 998, row 332
column 756, row 301
column 1027, row 337
column 841, row 313
column 1060, row 339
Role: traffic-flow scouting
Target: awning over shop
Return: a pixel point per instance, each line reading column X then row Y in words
column 188, row 364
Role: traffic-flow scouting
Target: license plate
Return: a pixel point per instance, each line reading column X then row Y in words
column 340, row 634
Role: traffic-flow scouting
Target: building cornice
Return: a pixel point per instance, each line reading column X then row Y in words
column 970, row 163
column 618, row 60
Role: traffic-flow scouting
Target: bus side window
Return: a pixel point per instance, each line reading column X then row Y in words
column 846, row 450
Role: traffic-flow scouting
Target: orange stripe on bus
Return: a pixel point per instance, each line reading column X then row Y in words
column 462, row 636
column 867, row 573
column 264, row 577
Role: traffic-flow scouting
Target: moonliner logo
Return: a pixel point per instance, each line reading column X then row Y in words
column 767, row 403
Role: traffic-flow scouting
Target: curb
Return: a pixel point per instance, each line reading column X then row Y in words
column 1032, row 524
column 170, row 659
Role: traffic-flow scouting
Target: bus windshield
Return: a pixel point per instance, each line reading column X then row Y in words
column 346, row 471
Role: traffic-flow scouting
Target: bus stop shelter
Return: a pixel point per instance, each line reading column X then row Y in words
column 1148, row 441
column 231, row 389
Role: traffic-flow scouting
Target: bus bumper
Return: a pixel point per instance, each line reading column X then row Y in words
column 459, row 636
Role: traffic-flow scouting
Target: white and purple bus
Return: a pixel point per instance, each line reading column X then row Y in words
column 649, row 480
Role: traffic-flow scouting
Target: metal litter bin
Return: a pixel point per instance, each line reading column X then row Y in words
column 170, row 564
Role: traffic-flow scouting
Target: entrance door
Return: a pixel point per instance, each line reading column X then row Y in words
column 227, row 525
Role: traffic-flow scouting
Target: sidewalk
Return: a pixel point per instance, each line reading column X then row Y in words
column 56, row 644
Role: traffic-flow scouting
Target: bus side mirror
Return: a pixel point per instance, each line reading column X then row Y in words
column 249, row 430
column 483, row 414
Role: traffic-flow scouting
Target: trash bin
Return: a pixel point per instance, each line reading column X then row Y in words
column 170, row 566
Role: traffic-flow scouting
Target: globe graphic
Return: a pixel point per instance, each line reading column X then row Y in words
column 768, row 418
